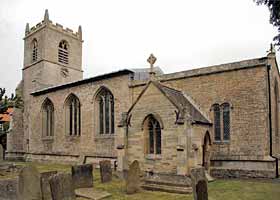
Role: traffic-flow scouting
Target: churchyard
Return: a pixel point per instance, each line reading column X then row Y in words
column 117, row 188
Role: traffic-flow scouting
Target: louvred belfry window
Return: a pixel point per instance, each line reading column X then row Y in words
column 34, row 50
column 63, row 52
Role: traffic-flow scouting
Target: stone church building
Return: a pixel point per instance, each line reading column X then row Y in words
column 223, row 117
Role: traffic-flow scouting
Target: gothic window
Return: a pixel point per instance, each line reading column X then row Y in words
column 63, row 52
column 154, row 135
column 73, row 115
column 48, row 118
column 226, row 121
column 221, row 122
column 276, row 110
column 105, row 101
column 217, row 122
column 34, row 50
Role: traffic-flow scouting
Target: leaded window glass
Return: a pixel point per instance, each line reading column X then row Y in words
column 217, row 122
column 154, row 131
column 106, row 112
column 73, row 115
column 226, row 121
column 48, row 118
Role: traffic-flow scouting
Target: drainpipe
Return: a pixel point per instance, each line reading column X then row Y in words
column 270, row 122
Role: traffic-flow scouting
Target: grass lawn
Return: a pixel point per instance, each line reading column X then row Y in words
column 218, row 190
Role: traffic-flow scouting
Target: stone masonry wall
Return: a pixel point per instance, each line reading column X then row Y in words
column 90, row 142
column 246, row 91
column 154, row 102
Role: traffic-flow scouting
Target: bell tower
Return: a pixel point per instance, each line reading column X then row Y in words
column 52, row 55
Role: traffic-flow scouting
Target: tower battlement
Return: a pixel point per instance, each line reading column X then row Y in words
column 58, row 27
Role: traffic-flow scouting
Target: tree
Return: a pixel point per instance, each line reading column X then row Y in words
column 274, row 9
column 3, row 102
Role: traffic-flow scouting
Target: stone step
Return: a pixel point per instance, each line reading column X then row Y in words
column 167, row 183
column 167, row 188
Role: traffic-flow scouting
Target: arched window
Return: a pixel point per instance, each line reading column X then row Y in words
column 105, row 101
column 276, row 110
column 153, row 131
column 217, row 122
column 73, row 115
column 63, row 52
column 34, row 50
column 48, row 118
column 226, row 121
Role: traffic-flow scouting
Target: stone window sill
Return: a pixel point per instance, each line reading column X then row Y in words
column 221, row 142
column 153, row 157
column 73, row 137
column 48, row 139
column 104, row 136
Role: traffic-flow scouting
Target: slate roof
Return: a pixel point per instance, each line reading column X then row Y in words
column 180, row 101
column 83, row 81
column 183, row 103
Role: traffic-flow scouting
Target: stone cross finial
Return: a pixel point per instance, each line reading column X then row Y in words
column 152, row 59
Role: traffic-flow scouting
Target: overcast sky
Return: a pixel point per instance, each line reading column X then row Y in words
column 182, row 34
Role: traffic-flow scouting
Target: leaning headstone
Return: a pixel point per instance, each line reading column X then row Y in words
column 133, row 178
column 105, row 171
column 1, row 153
column 82, row 176
column 62, row 187
column 45, row 185
column 199, row 184
column 29, row 184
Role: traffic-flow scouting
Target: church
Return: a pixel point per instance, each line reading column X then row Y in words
column 223, row 117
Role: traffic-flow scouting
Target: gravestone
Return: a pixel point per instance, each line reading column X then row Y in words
column 133, row 178
column 105, row 171
column 62, row 187
column 1, row 153
column 82, row 176
column 29, row 184
column 45, row 185
column 9, row 189
column 199, row 184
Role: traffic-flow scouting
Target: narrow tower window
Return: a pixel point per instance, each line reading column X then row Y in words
column 34, row 50
column 63, row 52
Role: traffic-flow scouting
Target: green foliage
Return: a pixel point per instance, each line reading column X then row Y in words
column 231, row 189
column 274, row 8
column 5, row 102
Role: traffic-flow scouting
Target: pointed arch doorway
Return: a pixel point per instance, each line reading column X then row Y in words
column 206, row 147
